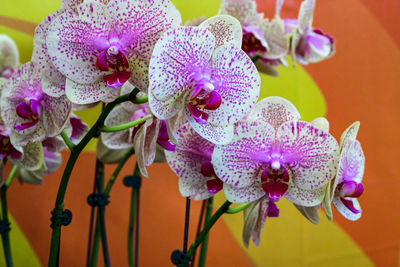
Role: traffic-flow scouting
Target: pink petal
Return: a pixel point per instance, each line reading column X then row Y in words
column 303, row 197
column 240, row 162
column 226, row 30
column 274, row 190
column 175, row 55
column 245, row 194
column 239, row 84
column 346, row 209
column 89, row 93
column 275, row 111
column 311, row 153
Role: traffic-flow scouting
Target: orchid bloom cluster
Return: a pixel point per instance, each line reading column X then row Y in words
column 202, row 83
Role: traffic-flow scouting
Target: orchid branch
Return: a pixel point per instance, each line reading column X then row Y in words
column 59, row 204
column 125, row 126
column 5, row 234
column 67, row 140
column 238, row 208
column 11, row 176
column 203, row 251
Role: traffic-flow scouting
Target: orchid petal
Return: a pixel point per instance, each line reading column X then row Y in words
column 265, row 68
column 349, row 135
column 109, row 156
column 277, row 39
column 75, row 40
column 165, row 110
column 275, row 111
column 245, row 194
column 89, row 93
column 278, row 7
column 321, row 123
column 120, row 139
column 239, row 84
column 303, row 197
column 41, row 56
column 244, row 10
column 32, row 156
column 312, row 154
column 250, row 216
column 306, row 14
column 327, row 201
column 226, row 30
column 9, row 56
column 311, row 213
column 240, row 162
column 174, row 56
column 345, row 211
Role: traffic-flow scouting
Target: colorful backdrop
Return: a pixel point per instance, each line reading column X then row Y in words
column 361, row 82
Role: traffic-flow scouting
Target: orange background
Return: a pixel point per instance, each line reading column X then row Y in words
column 361, row 82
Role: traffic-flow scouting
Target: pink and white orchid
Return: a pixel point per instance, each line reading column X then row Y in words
column 347, row 186
column 309, row 45
column 9, row 56
column 274, row 154
column 99, row 47
column 203, row 71
column 191, row 161
column 144, row 137
column 31, row 114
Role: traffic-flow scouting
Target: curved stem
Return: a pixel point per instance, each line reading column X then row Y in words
column 238, row 208
column 207, row 227
column 125, row 126
column 67, row 140
column 11, row 176
column 76, row 150
column 118, row 170
column 203, row 251
column 141, row 100
column 5, row 236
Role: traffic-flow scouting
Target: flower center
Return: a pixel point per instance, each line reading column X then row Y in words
column 350, row 189
column 253, row 40
column 274, row 180
column 214, row 184
column 30, row 110
column 114, row 60
column 203, row 95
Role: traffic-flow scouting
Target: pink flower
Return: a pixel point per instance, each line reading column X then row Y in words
column 203, row 71
column 100, row 46
column 274, row 154
column 31, row 114
column 191, row 161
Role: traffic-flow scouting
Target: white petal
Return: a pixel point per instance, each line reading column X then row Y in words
column 226, row 30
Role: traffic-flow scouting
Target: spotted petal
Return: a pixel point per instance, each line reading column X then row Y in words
column 226, row 30
column 310, row 213
column 173, row 59
column 303, row 197
column 9, row 56
column 277, row 39
column 321, row 123
column 75, row 40
column 164, row 110
column 32, row 157
column 244, row 10
column 275, row 111
column 240, row 162
column 89, row 93
column 239, row 84
column 349, row 135
column 245, row 194
column 120, row 139
column 345, row 211
column 312, row 154
column 109, row 156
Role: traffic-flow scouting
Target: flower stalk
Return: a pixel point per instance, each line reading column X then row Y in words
column 125, row 126
column 5, row 234
column 203, row 251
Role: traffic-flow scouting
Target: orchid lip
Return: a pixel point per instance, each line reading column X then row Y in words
column 163, row 137
column 214, row 185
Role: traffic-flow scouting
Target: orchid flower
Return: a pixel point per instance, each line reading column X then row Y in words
column 347, row 186
column 254, row 219
column 191, row 161
column 273, row 154
column 9, row 56
column 99, row 47
column 51, row 162
column 263, row 40
column 31, row 114
column 309, row 45
column 144, row 137
column 203, row 71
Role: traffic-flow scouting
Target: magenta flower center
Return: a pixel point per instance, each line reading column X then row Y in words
column 350, row 189
column 214, row 185
column 274, row 180
column 30, row 110
column 203, row 95
column 114, row 60
column 163, row 137
column 253, row 41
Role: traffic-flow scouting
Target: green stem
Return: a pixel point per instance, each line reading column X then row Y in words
column 67, row 140
column 5, row 236
column 125, row 126
column 141, row 100
column 238, row 208
column 11, row 176
column 118, row 170
column 96, row 243
column 59, row 204
column 203, row 252
column 207, row 227
column 130, row 229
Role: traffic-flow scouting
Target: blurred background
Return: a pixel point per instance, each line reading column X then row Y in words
column 361, row 82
